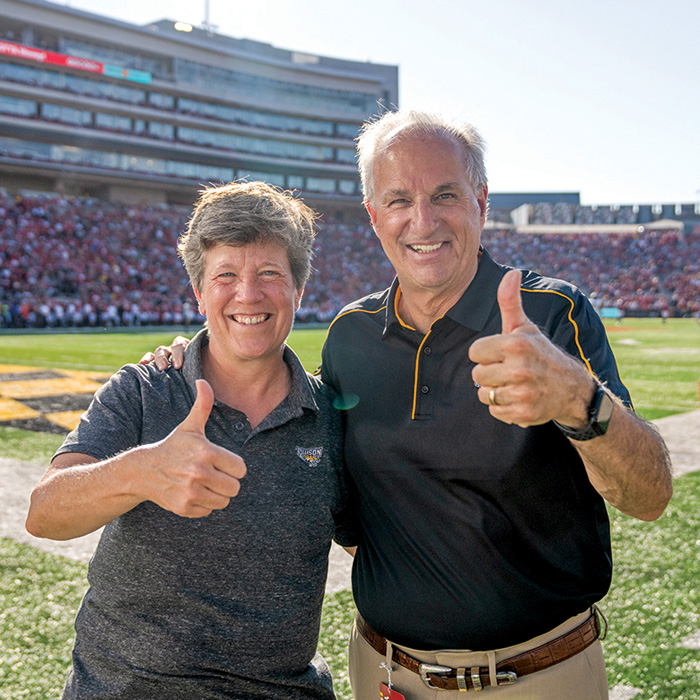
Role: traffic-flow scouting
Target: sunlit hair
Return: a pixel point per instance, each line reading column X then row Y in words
column 392, row 127
column 241, row 213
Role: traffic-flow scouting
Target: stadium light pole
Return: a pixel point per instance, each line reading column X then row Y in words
column 207, row 25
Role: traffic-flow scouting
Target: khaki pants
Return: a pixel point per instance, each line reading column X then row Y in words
column 582, row 677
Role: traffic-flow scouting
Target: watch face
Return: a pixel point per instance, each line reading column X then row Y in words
column 600, row 411
column 605, row 409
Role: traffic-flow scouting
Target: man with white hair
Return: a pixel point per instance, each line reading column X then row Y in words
column 485, row 427
column 486, row 424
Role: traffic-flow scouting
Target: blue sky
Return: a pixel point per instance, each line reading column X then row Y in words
column 600, row 97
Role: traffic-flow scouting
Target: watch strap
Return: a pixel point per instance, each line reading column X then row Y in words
column 597, row 423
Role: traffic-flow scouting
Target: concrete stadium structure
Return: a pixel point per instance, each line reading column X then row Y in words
column 99, row 107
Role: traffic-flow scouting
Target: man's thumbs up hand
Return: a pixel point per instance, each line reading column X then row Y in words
column 510, row 302
column 523, row 377
column 188, row 474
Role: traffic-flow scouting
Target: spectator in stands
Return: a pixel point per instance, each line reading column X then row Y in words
column 208, row 581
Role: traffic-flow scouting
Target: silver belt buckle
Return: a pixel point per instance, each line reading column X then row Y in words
column 506, row 677
column 425, row 669
column 502, row 677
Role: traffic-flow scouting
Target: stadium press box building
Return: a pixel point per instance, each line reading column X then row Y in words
column 99, row 107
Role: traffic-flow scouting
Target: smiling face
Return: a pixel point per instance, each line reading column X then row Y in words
column 428, row 217
column 249, row 299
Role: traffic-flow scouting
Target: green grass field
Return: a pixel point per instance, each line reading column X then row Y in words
column 107, row 351
column 653, row 606
column 659, row 363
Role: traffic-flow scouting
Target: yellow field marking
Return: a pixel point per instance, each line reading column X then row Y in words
column 66, row 419
column 13, row 369
column 38, row 388
column 82, row 374
column 14, row 410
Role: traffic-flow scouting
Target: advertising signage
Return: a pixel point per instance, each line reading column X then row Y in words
column 29, row 53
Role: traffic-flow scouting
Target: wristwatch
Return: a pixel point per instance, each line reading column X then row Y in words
column 599, row 413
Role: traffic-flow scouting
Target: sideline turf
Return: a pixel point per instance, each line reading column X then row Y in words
column 659, row 362
column 28, row 446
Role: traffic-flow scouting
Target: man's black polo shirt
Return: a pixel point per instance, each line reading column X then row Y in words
column 476, row 534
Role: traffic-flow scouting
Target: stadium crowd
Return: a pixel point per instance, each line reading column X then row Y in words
column 651, row 273
column 86, row 262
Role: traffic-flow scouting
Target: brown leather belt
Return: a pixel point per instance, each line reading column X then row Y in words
column 507, row 671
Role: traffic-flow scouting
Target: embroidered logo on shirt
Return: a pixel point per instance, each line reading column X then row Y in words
column 310, row 455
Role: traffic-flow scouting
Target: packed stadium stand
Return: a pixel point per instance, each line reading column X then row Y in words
column 86, row 262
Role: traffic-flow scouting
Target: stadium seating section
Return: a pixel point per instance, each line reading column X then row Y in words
column 84, row 262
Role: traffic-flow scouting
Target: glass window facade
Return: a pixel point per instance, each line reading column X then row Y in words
column 72, row 83
column 348, row 186
column 113, row 122
column 286, row 93
column 161, row 100
column 345, row 155
column 107, row 54
column 320, row 184
column 253, row 118
column 272, row 178
column 57, row 154
column 66, row 115
column 91, row 87
column 235, row 142
column 161, row 131
column 21, row 108
column 350, row 131
column 116, row 161
column 274, row 124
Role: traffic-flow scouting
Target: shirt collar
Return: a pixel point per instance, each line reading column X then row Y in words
column 474, row 307
column 192, row 365
column 393, row 321
column 300, row 395
column 301, row 392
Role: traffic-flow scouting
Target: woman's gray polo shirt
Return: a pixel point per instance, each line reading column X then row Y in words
column 222, row 606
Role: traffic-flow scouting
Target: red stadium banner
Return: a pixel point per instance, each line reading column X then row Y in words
column 29, row 53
